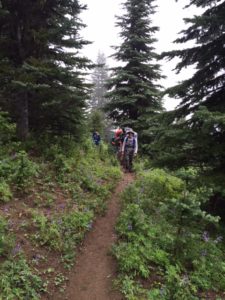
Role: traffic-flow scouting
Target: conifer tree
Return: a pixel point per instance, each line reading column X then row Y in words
column 133, row 90
column 99, row 79
column 194, row 133
column 40, row 76
column 206, row 86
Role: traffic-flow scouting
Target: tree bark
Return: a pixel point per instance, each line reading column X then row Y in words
column 23, row 121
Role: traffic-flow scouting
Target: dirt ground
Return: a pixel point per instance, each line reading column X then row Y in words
column 95, row 269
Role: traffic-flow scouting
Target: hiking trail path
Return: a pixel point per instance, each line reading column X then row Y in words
column 95, row 269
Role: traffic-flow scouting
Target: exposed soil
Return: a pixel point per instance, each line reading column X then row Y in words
column 95, row 269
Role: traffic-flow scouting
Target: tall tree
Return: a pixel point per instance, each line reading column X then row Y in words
column 40, row 77
column 133, row 89
column 206, row 87
column 99, row 79
column 197, row 126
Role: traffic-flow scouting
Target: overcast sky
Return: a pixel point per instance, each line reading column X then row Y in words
column 100, row 20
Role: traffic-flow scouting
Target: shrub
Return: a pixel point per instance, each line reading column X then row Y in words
column 163, row 228
column 6, row 239
column 17, row 281
column 5, row 192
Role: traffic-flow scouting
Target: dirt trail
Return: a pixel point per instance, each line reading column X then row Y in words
column 95, row 268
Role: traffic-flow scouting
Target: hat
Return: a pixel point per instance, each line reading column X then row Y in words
column 130, row 131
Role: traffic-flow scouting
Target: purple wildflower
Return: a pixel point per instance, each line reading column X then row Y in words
column 205, row 236
column 130, row 227
column 36, row 258
column 16, row 249
column 62, row 206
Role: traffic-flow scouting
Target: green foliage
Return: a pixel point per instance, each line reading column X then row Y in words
column 193, row 134
column 89, row 167
column 96, row 121
column 7, row 130
column 68, row 184
column 128, row 287
column 154, row 186
column 8, row 143
column 42, row 84
column 55, row 231
column 6, row 239
column 133, row 91
column 156, row 294
column 178, row 285
column 17, row 170
column 5, row 192
column 163, row 231
column 206, row 85
column 25, row 170
column 18, row 281
column 62, row 232
column 196, row 142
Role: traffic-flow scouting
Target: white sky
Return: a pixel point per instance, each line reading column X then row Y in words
column 100, row 20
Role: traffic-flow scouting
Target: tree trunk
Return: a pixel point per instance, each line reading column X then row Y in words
column 22, row 121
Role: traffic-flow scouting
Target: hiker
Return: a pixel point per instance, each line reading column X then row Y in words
column 96, row 138
column 135, row 133
column 117, row 141
column 129, row 149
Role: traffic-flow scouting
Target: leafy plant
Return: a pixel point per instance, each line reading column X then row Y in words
column 6, row 240
column 129, row 288
column 18, row 281
column 163, row 228
column 5, row 192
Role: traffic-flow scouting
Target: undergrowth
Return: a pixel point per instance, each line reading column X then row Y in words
column 50, row 194
column 169, row 248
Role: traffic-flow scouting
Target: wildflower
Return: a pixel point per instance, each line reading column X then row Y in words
column 142, row 190
column 62, row 206
column 185, row 279
column 89, row 225
column 10, row 224
column 205, row 236
column 162, row 291
column 16, row 249
column 218, row 239
column 14, row 155
column 36, row 258
column 130, row 227
column 59, row 221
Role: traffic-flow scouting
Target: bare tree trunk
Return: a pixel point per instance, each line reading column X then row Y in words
column 22, row 122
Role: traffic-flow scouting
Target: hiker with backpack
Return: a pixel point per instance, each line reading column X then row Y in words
column 129, row 149
column 96, row 138
column 117, row 141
